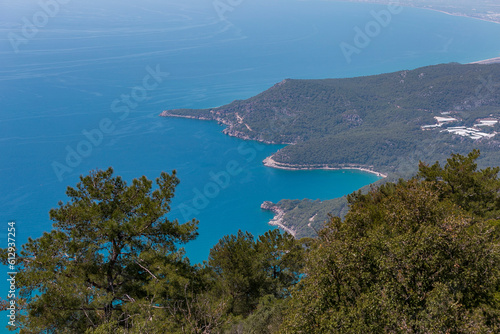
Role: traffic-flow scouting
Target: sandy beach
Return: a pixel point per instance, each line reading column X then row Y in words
column 270, row 162
column 488, row 61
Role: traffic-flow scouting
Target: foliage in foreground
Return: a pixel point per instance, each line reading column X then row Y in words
column 417, row 256
column 111, row 259
column 112, row 264
column 411, row 257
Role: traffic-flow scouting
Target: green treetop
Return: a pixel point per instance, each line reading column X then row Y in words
column 111, row 261
column 413, row 257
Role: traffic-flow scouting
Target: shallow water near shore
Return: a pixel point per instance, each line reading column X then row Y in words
column 62, row 85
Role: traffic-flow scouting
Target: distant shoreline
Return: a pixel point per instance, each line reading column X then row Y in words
column 423, row 7
column 270, row 162
column 458, row 14
column 487, row 61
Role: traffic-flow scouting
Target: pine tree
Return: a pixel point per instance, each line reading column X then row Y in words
column 111, row 262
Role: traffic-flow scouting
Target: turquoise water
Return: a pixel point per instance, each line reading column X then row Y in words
column 65, row 79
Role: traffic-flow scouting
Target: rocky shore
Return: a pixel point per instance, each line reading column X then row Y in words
column 279, row 216
column 229, row 130
column 168, row 113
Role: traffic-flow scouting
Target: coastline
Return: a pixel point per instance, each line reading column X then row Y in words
column 487, row 61
column 459, row 14
column 410, row 5
column 270, row 162
column 167, row 113
column 279, row 217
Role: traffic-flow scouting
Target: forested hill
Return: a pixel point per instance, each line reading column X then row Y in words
column 387, row 123
column 373, row 121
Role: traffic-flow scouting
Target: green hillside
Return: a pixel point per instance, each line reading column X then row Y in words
column 382, row 122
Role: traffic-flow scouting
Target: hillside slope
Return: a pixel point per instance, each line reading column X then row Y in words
column 386, row 123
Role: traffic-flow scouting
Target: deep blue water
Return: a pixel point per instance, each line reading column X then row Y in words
column 74, row 75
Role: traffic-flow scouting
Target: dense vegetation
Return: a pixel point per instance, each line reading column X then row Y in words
column 416, row 256
column 370, row 121
column 112, row 265
column 373, row 122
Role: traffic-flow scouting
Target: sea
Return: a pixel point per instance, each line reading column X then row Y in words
column 82, row 84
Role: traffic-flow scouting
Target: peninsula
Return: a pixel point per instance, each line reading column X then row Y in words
column 384, row 123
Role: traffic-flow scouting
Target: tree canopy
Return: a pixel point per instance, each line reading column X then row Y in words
column 417, row 256
column 477, row 192
column 111, row 259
